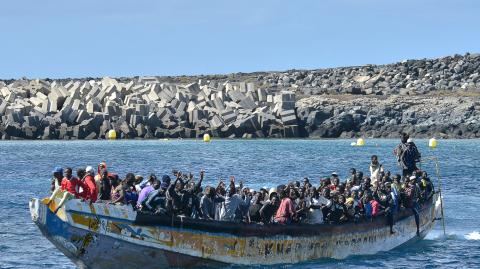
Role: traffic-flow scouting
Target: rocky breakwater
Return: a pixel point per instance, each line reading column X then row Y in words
column 434, row 97
column 144, row 108
column 345, row 116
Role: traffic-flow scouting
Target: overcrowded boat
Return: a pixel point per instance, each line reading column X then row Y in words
column 99, row 221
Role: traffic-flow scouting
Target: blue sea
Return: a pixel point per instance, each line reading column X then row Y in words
column 25, row 169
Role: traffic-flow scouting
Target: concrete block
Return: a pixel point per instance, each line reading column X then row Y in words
column 174, row 103
column 162, row 113
column 136, row 119
column 248, row 103
column 3, row 107
column 201, row 104
column 31, row 120
column 101, row 95
column 55, row 96
column 153, row 96
column 92, row 135
column 269, row 99
column 148, row 80
column 141, row 109
column 180, row 96
column 250, row 87
column 218, row 104
column 5, row 91
column 286, row 113
column 41, row 96
column 181, row 106
column 52, row 106
column 74, row 91
column 153, row 121
column 36, row 101
column 196, row 115
column 127, row 112
column 262, row 95
column 191, row 106
column 141, row 130
column 10, row 97
column 229, row 116
column 72, row 116
column 284, row 96
column 236, row 96
column 13, row 129
column 290, row 131
column 82, row 115
column 77, row 104
column 231, row 105
column 193, row 87
column 289, row 120
column 113, row 110
column 242, row 86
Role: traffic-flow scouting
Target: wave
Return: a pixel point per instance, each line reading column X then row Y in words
column 473, row 236
column 453, row 235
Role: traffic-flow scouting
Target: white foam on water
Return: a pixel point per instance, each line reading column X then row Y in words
column 453, row 235
column 473, row 236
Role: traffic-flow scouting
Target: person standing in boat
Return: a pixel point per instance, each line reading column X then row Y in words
column 407, row 155
column 208, row 203
column 234, row 204
column 104, row 186
column 375, row 169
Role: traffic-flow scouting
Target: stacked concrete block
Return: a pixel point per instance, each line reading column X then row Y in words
column 80, row 109
column 248, row 103
column 288, row 117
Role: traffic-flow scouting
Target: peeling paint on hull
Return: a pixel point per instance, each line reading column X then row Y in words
column 104, row 236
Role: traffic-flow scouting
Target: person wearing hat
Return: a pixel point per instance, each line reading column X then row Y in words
column 56, row 181
column 91, row 192
column 165, row 182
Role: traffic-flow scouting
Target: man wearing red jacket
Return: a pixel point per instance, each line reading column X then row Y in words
column 91, row 191
column 72, row 184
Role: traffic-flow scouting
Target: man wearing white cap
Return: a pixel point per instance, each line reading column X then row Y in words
column 91, row 193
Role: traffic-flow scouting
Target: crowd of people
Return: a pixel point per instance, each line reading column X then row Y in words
column 357, row 198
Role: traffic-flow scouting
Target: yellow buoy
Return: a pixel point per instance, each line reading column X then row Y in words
column 432, row 143
column 206, row 138
column 112, row 134
column 360, row 142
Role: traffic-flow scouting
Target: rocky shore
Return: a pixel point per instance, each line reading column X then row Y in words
column 430, row 97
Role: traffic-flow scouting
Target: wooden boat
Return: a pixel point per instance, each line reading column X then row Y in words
column 108, row 236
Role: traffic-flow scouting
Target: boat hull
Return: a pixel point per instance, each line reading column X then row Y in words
column 103, row 236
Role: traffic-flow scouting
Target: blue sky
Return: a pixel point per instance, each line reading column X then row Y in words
column 58, row 39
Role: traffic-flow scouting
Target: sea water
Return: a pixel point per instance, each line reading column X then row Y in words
column 25, row 172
